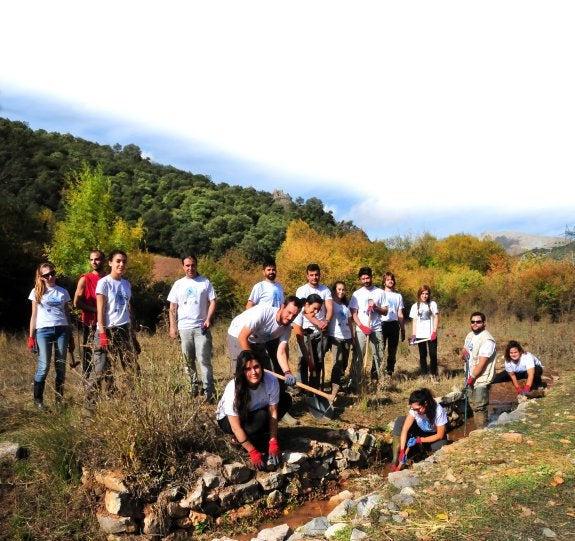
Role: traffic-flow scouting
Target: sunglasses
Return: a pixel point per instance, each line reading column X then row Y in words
column 50, row 274
column 476, row 321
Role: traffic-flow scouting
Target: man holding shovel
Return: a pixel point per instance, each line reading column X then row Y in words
column 479, row 354
column 367, row 305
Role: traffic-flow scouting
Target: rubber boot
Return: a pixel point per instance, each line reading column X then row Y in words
column 39, row 394
column 59, row 396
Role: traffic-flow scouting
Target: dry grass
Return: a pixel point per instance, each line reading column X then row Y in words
column 153, row 429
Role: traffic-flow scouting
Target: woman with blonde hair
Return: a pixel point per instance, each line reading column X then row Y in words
column 49, row 329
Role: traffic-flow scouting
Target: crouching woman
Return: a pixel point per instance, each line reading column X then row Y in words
column 424, row 425
column 250, row 409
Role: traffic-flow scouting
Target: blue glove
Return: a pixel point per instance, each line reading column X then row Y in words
column 413, row 441
column 289, row 379
column 402, row 459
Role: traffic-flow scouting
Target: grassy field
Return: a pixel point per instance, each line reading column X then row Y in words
column 153, row 429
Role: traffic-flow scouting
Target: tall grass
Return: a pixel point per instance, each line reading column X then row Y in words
column 153, row 430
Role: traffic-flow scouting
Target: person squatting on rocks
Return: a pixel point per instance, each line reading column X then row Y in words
column 392, row 323
column 85, row 300
column 479, row 354
column 309, row 369
column 424, row 315
column 115, row 336
column 192, row 306
column 49, row 329
column 340, row 332
column 250, row 408
column 316, row 325
column 367, row 306
column 520, row 364
column 425, row 425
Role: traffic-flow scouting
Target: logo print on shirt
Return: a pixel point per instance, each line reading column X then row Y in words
column 191, row 296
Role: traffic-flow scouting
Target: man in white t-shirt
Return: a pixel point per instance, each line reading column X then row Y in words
column 269, row 293
column 254, row 328
column 317, row 326
column 192, row 305
column 368, row 304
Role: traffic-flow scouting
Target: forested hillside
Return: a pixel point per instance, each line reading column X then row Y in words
column 179, row 209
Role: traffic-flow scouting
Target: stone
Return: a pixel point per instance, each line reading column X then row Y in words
column 154, row 521
column 270, row 481
column 294, row 458
column 357, row 535
column 275, row 499
column 512, row 437
column 316, row 526
column 240, row 494
column 115, row 524
column 340, row 511
column 548, row 534
column 236, row 472
column 11, row 451
column 121, row 503
column 112, row 480
column 367, row 504
column 195, row 499
column 403, row 478
column 278, row 533
column 213, row 480
column 332, row 531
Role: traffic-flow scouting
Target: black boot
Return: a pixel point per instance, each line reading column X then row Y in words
column 59, row 397
column 39, row 394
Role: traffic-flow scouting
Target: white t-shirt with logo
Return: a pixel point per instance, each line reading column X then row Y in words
column 51, row 311
column 360, row 301
column 261, row 320
column 423, row 315
column 268, row 293
column 118, row 294
column 303, row 292
column 193, row 297
column 423, row 422
column 339, row 325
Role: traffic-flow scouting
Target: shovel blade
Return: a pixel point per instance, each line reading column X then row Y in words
column 320, row 407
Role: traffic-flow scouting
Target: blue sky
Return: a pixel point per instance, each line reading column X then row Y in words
column 420, row 117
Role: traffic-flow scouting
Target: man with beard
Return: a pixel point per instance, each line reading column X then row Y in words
column 479, row 354
column 268, row 293
column 85, row 300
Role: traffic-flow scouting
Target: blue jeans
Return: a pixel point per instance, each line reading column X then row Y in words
column 47, row 338
column 197, row 346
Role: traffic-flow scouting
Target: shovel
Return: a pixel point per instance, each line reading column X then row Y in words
column 319, row 405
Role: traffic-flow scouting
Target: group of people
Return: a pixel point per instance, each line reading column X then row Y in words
column 258, row 342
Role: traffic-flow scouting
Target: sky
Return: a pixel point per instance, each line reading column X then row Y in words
column 404, row 117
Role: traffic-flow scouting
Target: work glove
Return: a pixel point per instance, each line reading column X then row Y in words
column 519, row 390
column 71, row 344
column 369, row 308
column 257, row 459
column 402, row 335
column 274, row 452
column 31, row 344
column 290, row 379
column 464, row 354
column 470, row 381
column 365, row 329
column 103, row 340
column 412, row 339
column 526, row 389
column 433, row 336
column 402, row 458
column 411, row 442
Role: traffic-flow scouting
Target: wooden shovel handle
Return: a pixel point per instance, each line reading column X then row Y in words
column 301, row 385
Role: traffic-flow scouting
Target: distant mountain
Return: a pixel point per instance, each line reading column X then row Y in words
column 516, row 243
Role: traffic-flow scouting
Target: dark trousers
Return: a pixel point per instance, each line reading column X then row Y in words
column 430, row 345
column 257, row 425
column 503, row 376
column 390, row 333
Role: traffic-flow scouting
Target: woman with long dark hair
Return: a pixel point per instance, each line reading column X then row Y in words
column 250, row 409
column 425, row 424
column 520, row 364
column 49, row 329
column 424, row 315
column 340, row 332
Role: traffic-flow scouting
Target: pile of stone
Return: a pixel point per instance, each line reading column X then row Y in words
column 223, row 487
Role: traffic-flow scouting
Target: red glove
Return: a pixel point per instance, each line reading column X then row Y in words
column 71, row 344
column 365, row 330
column 103, row 340
column 369, row 308
column 464, row 354
column 526, row 389
column 412, row 341
column 274, row 452
column 470, row 381
column 257, row 459
column 31, row 344
column 433, row 336
column 402, row 458
column 519, row 390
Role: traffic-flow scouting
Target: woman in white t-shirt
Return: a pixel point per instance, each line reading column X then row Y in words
column 520, row 364
column 250, row 408
column 424, row 425
column 49, row 329
column 424, row 316
column 340, row 335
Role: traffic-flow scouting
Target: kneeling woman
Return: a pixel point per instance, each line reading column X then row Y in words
column 250, row 409
column 425, row 424
column 520, row 364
